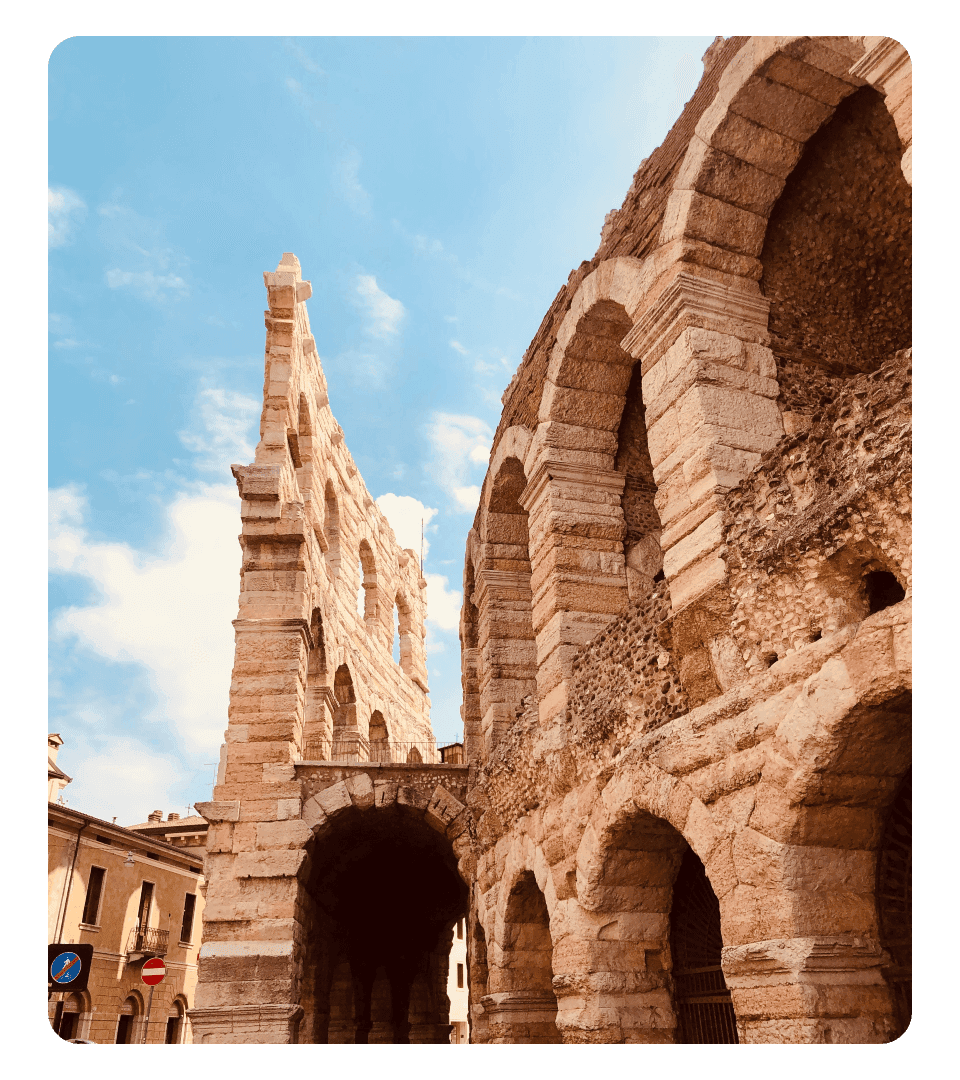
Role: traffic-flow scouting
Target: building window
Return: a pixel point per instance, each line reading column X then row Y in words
column 459, row 976
column 91, row 906
column 186, row 930
column 460, row 928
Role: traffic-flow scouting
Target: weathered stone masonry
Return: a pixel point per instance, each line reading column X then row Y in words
column 685, row 813
column 687, row 697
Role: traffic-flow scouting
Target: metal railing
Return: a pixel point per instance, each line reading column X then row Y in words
column 148, row 939
column 386, row 752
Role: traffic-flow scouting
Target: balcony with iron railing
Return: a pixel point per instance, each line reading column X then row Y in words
column 147, row 941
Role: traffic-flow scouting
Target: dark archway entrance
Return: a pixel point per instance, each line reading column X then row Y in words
column 704, row 1009
column 386, row 896
column 894, row 901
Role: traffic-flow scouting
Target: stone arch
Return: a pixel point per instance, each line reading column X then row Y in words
column 319, row 703
column 522, row 1006
column 376, row 971
column 130, row 1019
column 175, row 1030
column 331, row 529
column 379, row 737
column 367, row 596
column 507, row 657
column 305, row 422
column 75, row 1016
column 405, row 629
column 347, row 738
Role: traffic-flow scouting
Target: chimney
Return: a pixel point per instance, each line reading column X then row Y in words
column 173, row 817
column 157, row 815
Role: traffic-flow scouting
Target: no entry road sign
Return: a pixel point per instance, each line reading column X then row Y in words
column 153, row 971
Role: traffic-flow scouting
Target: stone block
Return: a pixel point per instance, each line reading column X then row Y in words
column 268, row 864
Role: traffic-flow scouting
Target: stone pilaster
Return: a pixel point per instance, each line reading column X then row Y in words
column 886, row 65
column 579, row 580
column 246, row 1024
column 810, row 990
column 710, row 392
column 521, row 1016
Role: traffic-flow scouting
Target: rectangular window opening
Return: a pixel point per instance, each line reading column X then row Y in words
column 459, row 976
column 91, row 906
column 460, row 928
column 186, row 929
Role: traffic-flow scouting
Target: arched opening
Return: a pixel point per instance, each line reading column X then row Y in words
column 127, row 1023
column 522, row 1007
column 641, row 540
column 895, row 901
column 414, row 757
column 404, row 633
column 379, row 741
column 316, row 720
column 506, row 641
column 367, row 589
column 70, row 1017
column 331, row 528
column 837, row 255
column 395, row 634
column 701, row 998
column 477, row 978
column 387, row 897
column 173, row 1033
column 857, row 581
column 346, row 734
column 882, row 589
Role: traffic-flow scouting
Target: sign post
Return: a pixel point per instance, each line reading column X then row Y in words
column 152, row 973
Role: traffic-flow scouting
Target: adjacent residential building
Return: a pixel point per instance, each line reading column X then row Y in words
column 133, row 893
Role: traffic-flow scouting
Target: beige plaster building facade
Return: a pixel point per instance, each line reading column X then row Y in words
column 684, row 812
column 131, row 896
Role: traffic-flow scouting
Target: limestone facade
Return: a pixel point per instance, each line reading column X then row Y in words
column 686, row 622
column 684, row 810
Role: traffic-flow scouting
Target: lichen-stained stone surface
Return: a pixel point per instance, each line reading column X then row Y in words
column 684, row 814
column 686, row 620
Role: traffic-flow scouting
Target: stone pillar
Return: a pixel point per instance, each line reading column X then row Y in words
column 579, row 579
column 521, row 1016
column 246, row 1024
column 470, row 710
column 810, row 990
column 887, row 66
column 507, row 646
column 710, row 389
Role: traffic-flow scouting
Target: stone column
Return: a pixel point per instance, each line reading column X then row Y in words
column 507, row 646
column 710, row 389
column 246, row 1024
column 521, row 1016
column 579, row 579
column 810, row 990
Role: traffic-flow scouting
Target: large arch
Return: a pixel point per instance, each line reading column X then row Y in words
column 382, row 898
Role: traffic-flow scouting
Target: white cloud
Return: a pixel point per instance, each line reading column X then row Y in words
column 65, row 209
column 443, row 604
column 458, row 347
column 347, row 176
column 171, row 614
column 405, row 515
column 383, row 312
column 460, row 444
column 227, row 420
column 146, row 284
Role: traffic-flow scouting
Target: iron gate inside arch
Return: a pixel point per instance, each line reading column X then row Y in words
column 704, row 1009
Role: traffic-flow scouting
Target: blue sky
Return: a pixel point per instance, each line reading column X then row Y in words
column 437, row 191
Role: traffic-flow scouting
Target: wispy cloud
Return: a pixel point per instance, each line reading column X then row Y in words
column 168, row 614
column 65, row 210
column 457, row 347
column 384, row 314
column 147, row 284
column 461, row 447
column 346, row 174
column 305, row 61
column 443, row 604
column 223, row 429
column 407, row 516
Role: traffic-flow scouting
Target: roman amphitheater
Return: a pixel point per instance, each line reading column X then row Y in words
column 682, row 810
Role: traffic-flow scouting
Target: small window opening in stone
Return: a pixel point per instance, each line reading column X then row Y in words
column 361, row 593
column 770, row 659
column 883, row 590
column 460, row 976
column 658, row 576
column 817, row 635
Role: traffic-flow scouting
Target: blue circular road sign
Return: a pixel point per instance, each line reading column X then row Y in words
column 65, row 968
